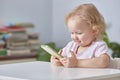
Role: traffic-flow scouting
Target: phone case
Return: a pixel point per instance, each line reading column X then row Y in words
column 51, row 51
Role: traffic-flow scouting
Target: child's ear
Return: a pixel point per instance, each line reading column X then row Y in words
column 94, row 30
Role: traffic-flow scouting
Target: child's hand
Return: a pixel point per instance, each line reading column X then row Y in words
column 70, row 62
column 55, row 61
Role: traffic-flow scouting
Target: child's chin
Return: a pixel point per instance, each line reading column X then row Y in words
column 79, row 44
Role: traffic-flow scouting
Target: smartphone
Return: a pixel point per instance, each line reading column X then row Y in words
column 51, row 51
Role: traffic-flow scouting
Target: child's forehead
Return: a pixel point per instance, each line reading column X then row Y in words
column 78, row 24
column 77, row 21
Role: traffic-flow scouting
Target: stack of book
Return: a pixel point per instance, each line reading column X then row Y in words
column 33, row 37
column 16, row 41
column 33, row 41
column 3, row 50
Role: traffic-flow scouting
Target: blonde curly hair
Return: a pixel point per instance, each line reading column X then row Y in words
column 89, row 13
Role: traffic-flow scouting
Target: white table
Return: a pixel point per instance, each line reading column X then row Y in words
column 38, row 70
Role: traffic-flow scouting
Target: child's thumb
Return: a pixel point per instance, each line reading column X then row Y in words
column 72, row 53
column 60, row 51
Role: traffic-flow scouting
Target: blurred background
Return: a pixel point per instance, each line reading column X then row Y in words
column 46, row 20
column 48, row 17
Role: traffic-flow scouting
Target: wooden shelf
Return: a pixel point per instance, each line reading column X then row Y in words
column 16, row 57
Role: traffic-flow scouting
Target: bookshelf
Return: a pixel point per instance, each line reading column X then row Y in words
column 17, row 58
column 18, row 44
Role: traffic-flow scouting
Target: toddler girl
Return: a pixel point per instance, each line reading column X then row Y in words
column 87, row 48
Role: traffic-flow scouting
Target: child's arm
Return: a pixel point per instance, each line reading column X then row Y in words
column 99, row 62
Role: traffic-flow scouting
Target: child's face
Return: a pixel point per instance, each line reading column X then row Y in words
column 81, row 32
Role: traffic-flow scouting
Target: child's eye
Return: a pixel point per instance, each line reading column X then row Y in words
column 79, row 33
column 72, row 32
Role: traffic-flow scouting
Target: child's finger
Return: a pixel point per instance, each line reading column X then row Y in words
column 63, row 59
column 60, row 51
column 72, row 53
column 53, row 57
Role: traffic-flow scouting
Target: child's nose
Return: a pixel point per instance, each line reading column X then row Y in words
column 75, row 38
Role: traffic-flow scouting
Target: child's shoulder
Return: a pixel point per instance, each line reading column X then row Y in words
column 70, row 43
column 99, row 43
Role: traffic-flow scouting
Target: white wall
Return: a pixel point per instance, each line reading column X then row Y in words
column 36, row 11
column 110, row 9
column 48, row 16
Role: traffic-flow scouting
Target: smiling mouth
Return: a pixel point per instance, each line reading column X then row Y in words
column 78, row 42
